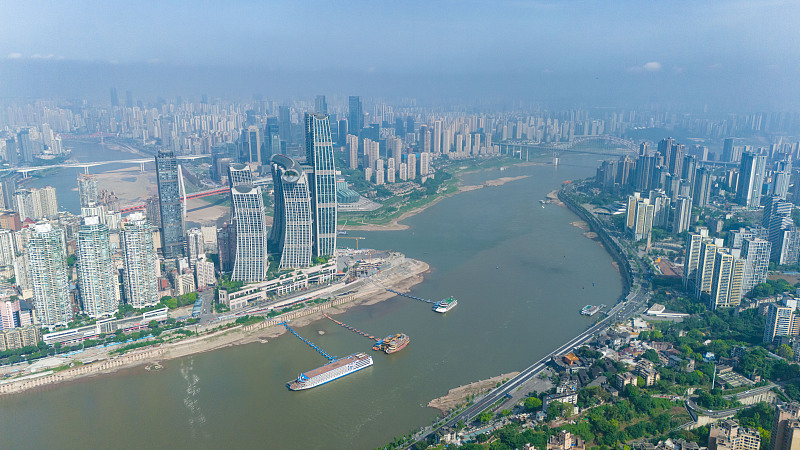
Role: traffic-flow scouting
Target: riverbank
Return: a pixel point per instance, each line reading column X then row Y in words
column 395, row 224
column 460, row 395
column 406, row 275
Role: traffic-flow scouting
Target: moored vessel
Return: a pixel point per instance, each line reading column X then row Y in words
column 331, row 371
column 445, row 305
column 392, row 343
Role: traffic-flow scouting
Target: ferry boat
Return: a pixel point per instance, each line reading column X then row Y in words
column 445, row 305
column 590, row 310
column 392, row 343
column 331, row 371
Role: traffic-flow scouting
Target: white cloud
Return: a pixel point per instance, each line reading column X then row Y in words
column 652, row 66
column 48, row 56
column 14, row 55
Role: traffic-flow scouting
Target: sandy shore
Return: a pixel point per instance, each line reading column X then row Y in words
column 395, row 223
column 458, row 396
column 409, row 273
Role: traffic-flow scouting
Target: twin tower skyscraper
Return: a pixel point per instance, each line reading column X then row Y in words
column 304, row 224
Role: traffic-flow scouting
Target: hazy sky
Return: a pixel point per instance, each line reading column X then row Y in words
column 603, row 45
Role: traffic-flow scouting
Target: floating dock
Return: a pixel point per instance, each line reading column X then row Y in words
column 354, row 330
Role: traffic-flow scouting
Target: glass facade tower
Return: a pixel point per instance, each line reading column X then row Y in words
column 319, row 155
column 169, row 198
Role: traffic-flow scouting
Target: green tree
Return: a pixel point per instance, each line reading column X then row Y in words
column 785, row 351
column 532, row 404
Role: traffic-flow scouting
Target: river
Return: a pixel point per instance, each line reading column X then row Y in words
column 520, row 272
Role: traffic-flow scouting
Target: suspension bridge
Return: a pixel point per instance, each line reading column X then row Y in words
column 310, row 344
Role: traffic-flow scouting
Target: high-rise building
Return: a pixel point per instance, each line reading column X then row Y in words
column 97, row 277
column 355, row 115
column 139, row 262
column 728, row 435
column 705, row 267
column 692, row 257
column 639, row 217
column 251, row 263
column 87, row 189
column 776, row 219
column 226, row 245
column 170, row 204
column 47, row 266
column 36, row 204
column 726, row 286
column 751, row 180
column 25, row 145
column 321, row 105
column 291, row 236
column 755, row 253
column 195, row 245
column 728, row 154
column 239, row 174
column 352, row 151
column 7, row 248
column 781, row 179
column 319, row 155
column 272, row 140
column 702, row 187
column 284, row 124
column 682, row 214
column 785, row 433
column 781, row 320
column 252, row 145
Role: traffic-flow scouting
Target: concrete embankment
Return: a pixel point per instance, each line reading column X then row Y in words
column 459, row 395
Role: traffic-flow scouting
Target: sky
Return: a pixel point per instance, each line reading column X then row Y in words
column 603, row 51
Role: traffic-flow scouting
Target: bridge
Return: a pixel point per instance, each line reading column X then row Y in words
column 595, row 144
column 25, row 171
column 140, row 207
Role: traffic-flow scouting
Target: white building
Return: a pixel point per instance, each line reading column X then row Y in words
column 140, row 265
column 97, row 277
column 47, row 266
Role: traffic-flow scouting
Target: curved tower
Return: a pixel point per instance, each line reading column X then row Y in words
column 291, row 235
column 319, row 155
column 251, row 263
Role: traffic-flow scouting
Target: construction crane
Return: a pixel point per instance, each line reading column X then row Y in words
column 357, row 238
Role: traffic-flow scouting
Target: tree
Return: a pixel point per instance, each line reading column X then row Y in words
column 785, row 351
column 651, row 355
column 485, row 417
column 532, row 404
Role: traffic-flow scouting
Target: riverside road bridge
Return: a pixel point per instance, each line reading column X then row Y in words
column 604, row 145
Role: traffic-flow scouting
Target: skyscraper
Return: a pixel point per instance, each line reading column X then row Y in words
column 170, row 204
column 355, row 115
column 291, row 235
column 285, row 124
column 87, row 189
column 728, row 151
column 319, row 155
column 250, row 263
column 239, row 174
column 47, row 266
column 25, row 145
column 751, row 180
column 726, row 287
column 97, row 277
column 320, row 105
column 139, row 262
column 702, row 187
column 272, row 140
column 252, row 145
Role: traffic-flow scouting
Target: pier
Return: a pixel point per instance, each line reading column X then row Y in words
column 410, row 296
column 354, row 330
column 310, row 344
